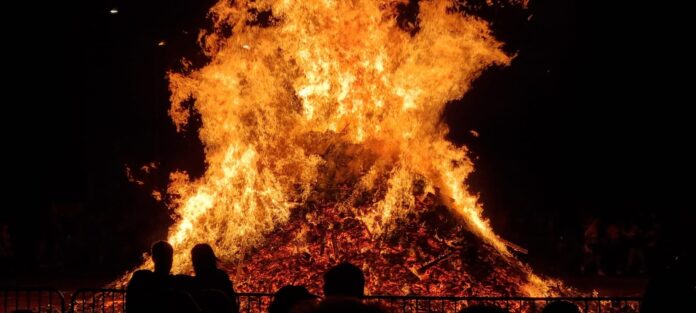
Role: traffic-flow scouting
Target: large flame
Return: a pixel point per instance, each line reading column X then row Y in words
column 326, row 94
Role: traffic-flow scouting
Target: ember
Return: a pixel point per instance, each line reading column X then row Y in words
column 428, row 253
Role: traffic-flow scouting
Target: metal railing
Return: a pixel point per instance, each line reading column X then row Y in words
column 114, row 301
column 259, row 302
column 428, row 304
column 254, row 302
column 43, row 300
column 93, row 300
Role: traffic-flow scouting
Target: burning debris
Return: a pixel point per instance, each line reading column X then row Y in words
column 428, row 253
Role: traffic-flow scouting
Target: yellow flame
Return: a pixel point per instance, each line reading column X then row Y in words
column 333, row 92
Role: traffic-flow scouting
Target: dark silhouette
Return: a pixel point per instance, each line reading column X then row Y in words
column 163, row 257
column 147, row 290
column 483, row 309
column 344, row 280
column 176, row 301
column 613, row 249
column 209, row 277
column 215, row 301
column 591, row 248
column 561, row 307
column 291, row 298
column 635, row 255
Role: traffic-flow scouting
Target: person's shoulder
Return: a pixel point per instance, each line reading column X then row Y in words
column 185, row 282
column 221, row 274
column 140, row 277
column 142, row 274
column 183, row 278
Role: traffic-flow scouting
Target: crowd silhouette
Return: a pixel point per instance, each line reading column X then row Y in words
column 210, row 290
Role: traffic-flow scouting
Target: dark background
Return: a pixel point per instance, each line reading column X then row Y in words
column 589, row 120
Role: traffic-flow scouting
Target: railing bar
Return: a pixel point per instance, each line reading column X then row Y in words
column 409, row 304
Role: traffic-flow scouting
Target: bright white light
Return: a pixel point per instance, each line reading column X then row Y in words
column 113, row 11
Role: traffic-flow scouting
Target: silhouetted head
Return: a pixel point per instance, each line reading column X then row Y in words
column 203, row 258
column 288, row 297
column 344, row 280
column 162, row 255
column 561, row 307
column 484, row 309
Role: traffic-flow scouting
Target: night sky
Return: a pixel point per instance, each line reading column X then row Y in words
column 583, row 123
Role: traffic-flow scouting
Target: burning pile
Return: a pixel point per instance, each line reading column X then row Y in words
column 324, row 142
column 429, row 253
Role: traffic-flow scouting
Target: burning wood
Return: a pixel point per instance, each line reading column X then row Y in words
column 418, row 257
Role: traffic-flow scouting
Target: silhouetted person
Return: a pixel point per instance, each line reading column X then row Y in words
column 177, row 301
column 215, row 301
column 163, row 257
column 209, row 277
column 561, row 307
column 291, row 299
column 613, row 250
column 483, row 309
column 146, row 289
column 635, row 256
column 591, row 248
column 344, row 280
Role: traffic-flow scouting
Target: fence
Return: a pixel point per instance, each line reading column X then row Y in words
column 258, row 302
column 42, row 300
column 426, row 304
column 114, row 300
column 88, row 300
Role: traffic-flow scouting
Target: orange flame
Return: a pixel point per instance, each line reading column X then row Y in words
column 330, row 93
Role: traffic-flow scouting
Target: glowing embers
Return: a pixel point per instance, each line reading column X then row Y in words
column 428, row 253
